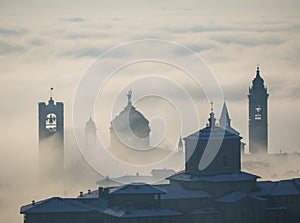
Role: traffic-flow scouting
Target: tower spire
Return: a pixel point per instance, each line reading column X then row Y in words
column 180, row 145
column 224, row 118
column 257, row 71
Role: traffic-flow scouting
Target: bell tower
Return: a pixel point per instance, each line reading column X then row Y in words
column 51, row 140
column 258, row 116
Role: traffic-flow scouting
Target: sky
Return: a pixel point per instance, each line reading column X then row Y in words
column 53, row 43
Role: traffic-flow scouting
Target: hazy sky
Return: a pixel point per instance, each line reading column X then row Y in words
column 44, row 43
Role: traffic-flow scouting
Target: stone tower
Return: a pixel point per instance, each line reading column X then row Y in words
column 51, row 140
column 258, row 116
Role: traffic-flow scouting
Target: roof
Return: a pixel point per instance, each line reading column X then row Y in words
column 237, row 196
column 129, row 119
column 136, row 188
column 209, row 210
column 56, row 204
column 279, row 188
column 284, row 187
column 176, row 191
column 213, row 132
column 297, row 181
column 118, row 212
column 241, row 176
column 127, row 179
column 265, row 187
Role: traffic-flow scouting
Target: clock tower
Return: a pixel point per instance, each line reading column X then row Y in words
column 258, row 116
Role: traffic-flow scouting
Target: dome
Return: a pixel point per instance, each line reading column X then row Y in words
column 90, row 125
column 131, row 126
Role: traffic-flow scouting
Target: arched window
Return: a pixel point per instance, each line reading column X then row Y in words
column 51, row 122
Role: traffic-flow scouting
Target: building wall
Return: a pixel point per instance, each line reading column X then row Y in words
column 72, row 217
column 227, row 159
column 245, row 211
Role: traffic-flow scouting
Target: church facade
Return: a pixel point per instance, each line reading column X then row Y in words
column 205, row 192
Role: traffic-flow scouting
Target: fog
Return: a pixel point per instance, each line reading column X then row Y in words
column 47, row 44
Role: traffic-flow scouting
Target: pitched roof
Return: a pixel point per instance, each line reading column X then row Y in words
column 55, row 204
column 237, row 196
column 136, row 188
column 215, row 132
column 264, row 188
column 283, row 187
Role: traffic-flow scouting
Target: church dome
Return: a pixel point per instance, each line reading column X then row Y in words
column 90, row 125
column 131, row 126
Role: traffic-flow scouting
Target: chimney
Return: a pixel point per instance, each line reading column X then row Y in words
column 33, row 202
column 81, row 194
column 89, row 191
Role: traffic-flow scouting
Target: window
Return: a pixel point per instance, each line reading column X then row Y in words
column 257, row 115
column 51, row 122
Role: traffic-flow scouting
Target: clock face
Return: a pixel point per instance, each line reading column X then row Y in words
column 51, row 122
column 258, row 111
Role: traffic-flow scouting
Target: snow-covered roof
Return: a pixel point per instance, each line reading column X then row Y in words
column 237, row 196
column 136, row 188
column 176, row 191
column 121, row 212
column 241, row 176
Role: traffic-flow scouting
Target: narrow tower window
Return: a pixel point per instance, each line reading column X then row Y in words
column 257, row 113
